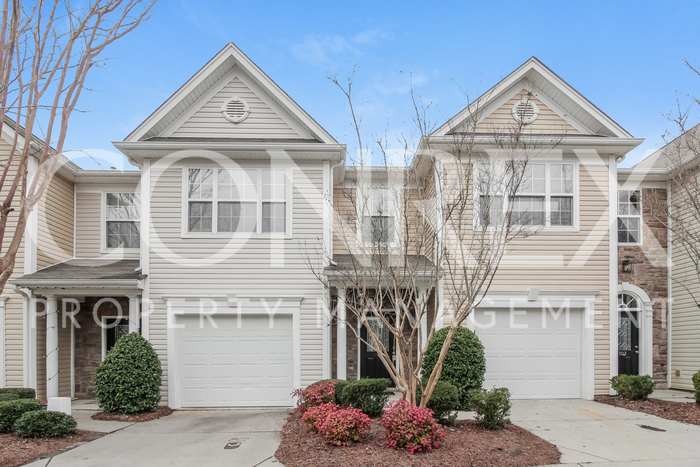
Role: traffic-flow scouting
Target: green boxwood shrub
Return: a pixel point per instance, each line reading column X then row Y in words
column 340, row 385
column 43, row 424
column 8, row 396
column 633, row 387
column 10, row 411
column 444, row 401
column 21, row 393
column 367, row 394
column 128, row 380
column 464, row 365
column 696, row 385
column 492, row 407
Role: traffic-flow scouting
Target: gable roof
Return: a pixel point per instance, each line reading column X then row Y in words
column 206, row 80
column 682, row 149
column 556, row 93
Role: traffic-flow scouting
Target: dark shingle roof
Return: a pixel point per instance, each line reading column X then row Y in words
column 87, row 269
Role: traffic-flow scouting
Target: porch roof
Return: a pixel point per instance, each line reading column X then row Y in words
column 97, row 274
column 344, row 266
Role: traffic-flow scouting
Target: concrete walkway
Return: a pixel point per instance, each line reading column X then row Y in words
column 184, row 438
column 589, row 432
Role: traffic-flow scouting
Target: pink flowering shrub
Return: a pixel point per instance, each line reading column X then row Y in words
column 410, row 427
column 315, row 417
column 320, row 393
column 345, row 426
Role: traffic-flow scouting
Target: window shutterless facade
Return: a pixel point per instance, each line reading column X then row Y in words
column 546, row 197
column 237, row 200
column 629, row 216
column 377, row 215
column 122, row 216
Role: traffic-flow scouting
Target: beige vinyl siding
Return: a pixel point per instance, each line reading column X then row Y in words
column 14, row 303
column 88, row 225
column 344, row 220
column 262, row 121
column 255, row 266
column 547, row 121
column 552, row 261
column 55, row 223
column 685, row 316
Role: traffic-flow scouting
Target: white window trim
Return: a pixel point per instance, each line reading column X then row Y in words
column 359, row 215
column 548, row 195
column 628, row 216
column 103, row 217
column 185, row 233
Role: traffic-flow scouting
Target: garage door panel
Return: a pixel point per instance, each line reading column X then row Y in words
column 232, row 365
column 539, row 359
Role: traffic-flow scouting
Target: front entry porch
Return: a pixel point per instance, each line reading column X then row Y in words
column 74, row 312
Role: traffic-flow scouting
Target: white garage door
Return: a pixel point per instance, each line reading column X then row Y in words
column 232, row 366
column 531, row 353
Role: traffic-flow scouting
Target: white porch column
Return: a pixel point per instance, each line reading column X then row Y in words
column 133, row 313
column 422, row 305
column 342, row 350
column 51, row 346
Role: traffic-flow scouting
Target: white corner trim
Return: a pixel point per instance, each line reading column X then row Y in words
column 3, row 366
column 145, row 232
column 588, row 352
column 31, row 231
column 612, row 255
column 669, row 288
column 341, row 340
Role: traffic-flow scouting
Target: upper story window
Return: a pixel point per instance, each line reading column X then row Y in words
column 545, row 197
column 122, row 220
column 238, row 200
column 629, row 216
column 378, row 216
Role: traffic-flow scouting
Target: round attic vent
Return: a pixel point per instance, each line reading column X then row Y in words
column 525, row 111
column 235, row 109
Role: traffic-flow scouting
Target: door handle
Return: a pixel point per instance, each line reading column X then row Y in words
column 637, row 352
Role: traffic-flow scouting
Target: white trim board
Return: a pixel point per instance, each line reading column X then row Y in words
column 3, row 366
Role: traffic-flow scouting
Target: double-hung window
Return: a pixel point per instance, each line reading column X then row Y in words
column 545, row 196
column 378, row 217
column 237, row 200
column 629, row 216
column 122, row 217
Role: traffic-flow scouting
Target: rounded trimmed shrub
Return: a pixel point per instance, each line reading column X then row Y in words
column 367, row 394
column 492, row 407
column 21, row 393
column 633, row 387
column 8, row 396
column 322, row 392
column 43, row 424
column 443, row 402
column 696, row 385
column 345, row 426
column 410, row 427
column 464, row 365
column 10, row 411
column 340, row 385
column 128, row 380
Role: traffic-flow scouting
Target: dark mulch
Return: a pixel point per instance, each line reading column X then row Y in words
column 686, row 412
column 466, row 444
column 16, row 451
column 139, row 417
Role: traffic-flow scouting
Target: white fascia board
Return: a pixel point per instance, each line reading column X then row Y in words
column 103, row 177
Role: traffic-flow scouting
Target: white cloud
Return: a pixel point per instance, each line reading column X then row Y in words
column 322, row 50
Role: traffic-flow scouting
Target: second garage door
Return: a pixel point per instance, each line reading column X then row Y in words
column 234, row 365
column 531, row 353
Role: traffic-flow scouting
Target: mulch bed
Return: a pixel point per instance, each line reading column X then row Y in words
column 466, row 444
column 686, row 412
column 139, row 417
column 16, row 451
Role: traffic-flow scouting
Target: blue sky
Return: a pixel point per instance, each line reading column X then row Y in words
column 626, row 57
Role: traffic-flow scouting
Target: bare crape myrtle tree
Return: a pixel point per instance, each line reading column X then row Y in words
column 443, row 212
column 47, row 49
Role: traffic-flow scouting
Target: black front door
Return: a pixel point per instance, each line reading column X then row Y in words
column 370, row 364
column 628, row 343
column 114, row 329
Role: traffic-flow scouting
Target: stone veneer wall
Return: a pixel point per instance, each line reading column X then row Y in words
column 650, row 273
column 88, row 341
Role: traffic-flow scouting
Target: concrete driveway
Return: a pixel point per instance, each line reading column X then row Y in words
column 589, row 432
column 185, row 438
